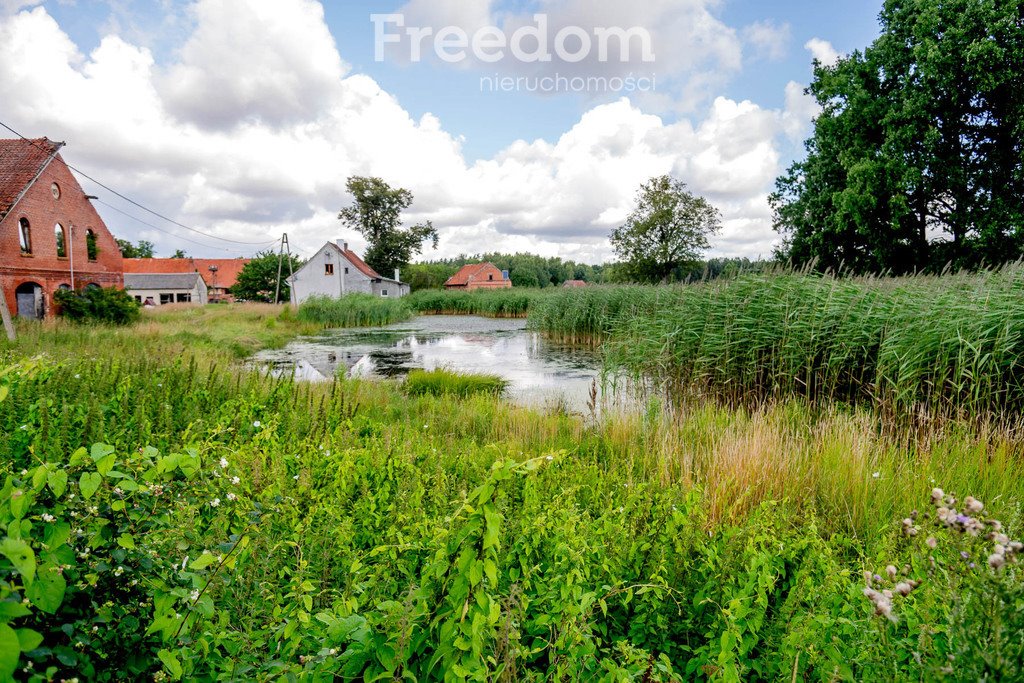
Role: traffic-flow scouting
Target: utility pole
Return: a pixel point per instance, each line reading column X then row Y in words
column 5, row 313
column 286, row 248
column 71, row 252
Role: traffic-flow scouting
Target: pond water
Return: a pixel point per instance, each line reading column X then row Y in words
column 540, row 372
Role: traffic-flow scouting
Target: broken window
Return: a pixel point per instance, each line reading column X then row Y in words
column 166, row 299
column 62, row 247
column 185, row 298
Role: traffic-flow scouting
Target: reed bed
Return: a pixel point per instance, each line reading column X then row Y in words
column 499, row 303
column 355, row 310
column 928, row 345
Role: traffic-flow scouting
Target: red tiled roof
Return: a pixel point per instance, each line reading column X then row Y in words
column 574, row 283
column 462, row 278
column 20, row 162
column 359, row 263
column 228, row 269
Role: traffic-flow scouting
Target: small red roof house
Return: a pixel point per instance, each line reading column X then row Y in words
column 220, row 274
column 479, row 276
column 574, row 283
column 51, row 237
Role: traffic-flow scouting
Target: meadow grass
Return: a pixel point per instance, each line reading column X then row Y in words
column 355, row 310
column 221, row 333
column 356, row 530
column 446, row 382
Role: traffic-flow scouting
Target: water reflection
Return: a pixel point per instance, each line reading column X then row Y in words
column 539, row 371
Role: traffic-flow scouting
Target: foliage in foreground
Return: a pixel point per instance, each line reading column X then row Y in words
column 373, row 534
column 97, row 305
column 354, row 310
column 444, row 382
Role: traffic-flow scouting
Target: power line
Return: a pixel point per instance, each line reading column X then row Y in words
column 168, row 232
column 144, row 208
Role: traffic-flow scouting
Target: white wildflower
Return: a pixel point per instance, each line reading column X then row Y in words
column 236, row 481
column 223, row 463
column 48, row 518
column 215, row 502
column 257, row 424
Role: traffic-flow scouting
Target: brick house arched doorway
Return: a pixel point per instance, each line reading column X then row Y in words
column 31, row 300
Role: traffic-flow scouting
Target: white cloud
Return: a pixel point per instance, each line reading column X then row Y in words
column 251, row 157
column 12, row 6
column 768, row 39
column 822, row 51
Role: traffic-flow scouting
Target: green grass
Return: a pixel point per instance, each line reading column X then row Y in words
column 951, row 345
column 355, row 310
column 444, row 382
column 498, row 303
column 351, row 530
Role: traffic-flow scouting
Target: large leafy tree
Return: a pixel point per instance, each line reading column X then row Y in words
column 258, row 279
column 668, row 228
column 916, row 158
column 377, row 214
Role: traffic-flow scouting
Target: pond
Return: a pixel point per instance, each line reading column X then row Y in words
column 540, row 372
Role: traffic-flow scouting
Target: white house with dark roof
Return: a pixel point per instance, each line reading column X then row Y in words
column 336, row 270
column 161, row 289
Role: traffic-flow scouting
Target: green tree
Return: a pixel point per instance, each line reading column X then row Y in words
column 179, row 254
column 377, row 215
column 258, row 279
column 669, row 227
column 97, row 304
column 143, row 249
column 916, row 158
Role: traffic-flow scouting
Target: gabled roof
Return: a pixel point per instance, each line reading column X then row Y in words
column 20, row 162
column 467, row 273
column 161, row 280
column 227, row 269
column 359, row 263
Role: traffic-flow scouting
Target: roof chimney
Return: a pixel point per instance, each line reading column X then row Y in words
column 398, row 275
column 343, row 245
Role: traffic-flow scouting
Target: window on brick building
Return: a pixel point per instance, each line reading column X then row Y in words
column 90, row 244
column 62, row 245
column 25, row 236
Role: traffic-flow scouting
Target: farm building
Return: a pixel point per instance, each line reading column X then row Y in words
column 161, row 289
column 479, row 276
column 574, row 283
column 336, row 270
column 51, row 237
column 220, row 275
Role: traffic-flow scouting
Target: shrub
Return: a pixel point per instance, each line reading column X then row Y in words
column 98, row 304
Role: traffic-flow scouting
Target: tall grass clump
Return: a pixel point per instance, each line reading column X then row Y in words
column 588, row 315
column 497, row 303
column 354, row 310
column 950, row 345
column 444, row 382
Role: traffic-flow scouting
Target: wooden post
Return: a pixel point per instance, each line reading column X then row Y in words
column 5, row 313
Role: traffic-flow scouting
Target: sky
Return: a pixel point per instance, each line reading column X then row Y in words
column 518, row 125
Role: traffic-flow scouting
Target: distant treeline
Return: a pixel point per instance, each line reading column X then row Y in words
column 530, row 270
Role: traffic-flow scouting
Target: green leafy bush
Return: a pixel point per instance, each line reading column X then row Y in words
column 98, row 304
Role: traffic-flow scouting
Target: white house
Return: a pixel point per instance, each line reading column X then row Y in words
column 160, row 289
column 336, row 270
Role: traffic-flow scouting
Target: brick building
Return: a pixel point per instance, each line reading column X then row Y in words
column 220, row 275
column 50, row 235
column 479, row 276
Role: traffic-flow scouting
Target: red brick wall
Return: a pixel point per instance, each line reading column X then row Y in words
column 43, row 266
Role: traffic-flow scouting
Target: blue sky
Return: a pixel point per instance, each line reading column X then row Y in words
column 503, row 170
